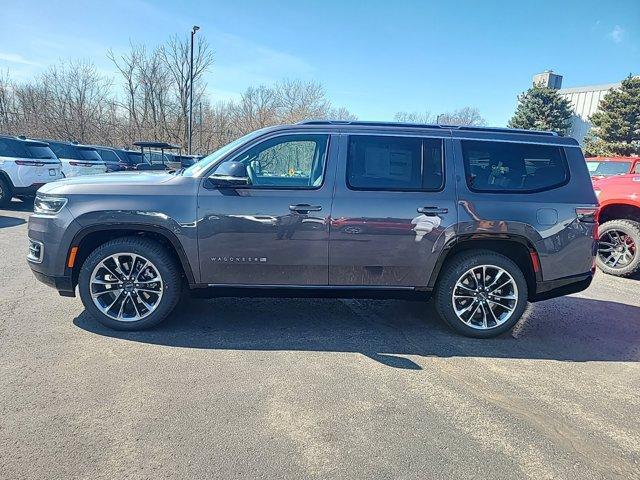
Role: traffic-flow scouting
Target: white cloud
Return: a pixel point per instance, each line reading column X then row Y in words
column 617, row 34
column 15, row 58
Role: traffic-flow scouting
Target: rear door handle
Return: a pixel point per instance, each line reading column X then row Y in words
column 305, row 208
column 432, row 211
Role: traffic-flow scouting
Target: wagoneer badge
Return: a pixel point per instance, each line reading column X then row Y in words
column 239, row 259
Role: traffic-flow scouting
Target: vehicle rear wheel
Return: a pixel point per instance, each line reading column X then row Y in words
column 130, row 283
column 481, row 294
column 5, row 193
column 618, row 247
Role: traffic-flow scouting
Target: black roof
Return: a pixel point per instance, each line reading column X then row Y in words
column 161, row 145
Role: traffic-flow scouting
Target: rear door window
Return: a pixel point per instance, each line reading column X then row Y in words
column 506, row 167
column 394, row 163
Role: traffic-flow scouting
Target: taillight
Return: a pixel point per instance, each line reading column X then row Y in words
column 29, row 163
column 587, row 214
column 80, row 164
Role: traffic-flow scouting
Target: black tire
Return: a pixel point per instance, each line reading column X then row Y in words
column 455, row 268
column 632, row 230
column 162, row 260
column 6, row 192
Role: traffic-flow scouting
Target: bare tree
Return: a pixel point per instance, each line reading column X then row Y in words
column 72, row 101
column 414, row 117
column 176, row 56
column 465, row 116
column 469, row 116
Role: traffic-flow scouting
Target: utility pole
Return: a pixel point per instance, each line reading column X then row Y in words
column 193, row 32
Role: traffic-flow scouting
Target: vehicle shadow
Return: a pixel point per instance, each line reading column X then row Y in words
column 6, row 222
column 25, row 205
column 387, row 331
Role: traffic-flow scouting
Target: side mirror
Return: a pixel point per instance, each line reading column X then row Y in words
column 229, row 174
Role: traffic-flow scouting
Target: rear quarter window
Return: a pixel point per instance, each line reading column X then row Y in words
column 7, row 147
column 506, row 167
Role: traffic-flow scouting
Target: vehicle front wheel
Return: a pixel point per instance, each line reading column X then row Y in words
column 618, row 247
column 130, row 283
column 481, row 294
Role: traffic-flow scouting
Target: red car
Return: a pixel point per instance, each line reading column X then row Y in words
column 602, row 167
column 619, row 219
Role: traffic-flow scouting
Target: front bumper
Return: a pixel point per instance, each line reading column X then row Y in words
column 63, row 284
column 55, row 234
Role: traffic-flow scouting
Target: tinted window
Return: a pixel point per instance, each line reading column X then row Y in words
column 513, row 167
column 108, row 156
column 394, row 163
column 7, row 148
column 290, row 161
column 132, row 158
column 608, row 168
column 88, row 154
column 39, row 151
column 59, row 149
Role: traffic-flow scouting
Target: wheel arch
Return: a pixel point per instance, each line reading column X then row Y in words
column 91, row 237
column 619, row 211
column 515, row 247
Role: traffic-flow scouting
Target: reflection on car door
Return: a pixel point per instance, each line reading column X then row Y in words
column 394, row 207
column 274, row 232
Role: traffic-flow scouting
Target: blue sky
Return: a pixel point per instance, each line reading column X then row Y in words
column 373, row 57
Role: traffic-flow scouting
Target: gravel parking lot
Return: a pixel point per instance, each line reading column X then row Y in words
column 278, row 388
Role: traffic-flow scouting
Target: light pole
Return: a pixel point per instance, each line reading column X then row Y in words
column 193, row 32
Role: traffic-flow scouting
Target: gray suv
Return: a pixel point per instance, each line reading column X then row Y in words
column 481, row 219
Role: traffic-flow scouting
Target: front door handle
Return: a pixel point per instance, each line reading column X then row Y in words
column 305, row 208
column 433, row 211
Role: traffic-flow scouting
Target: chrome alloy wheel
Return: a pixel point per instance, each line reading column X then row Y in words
column 485, row 297
column 126, row 287
column 616, row 249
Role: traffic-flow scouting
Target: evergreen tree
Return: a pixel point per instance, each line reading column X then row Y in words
column 542, row 108
column 616, row 124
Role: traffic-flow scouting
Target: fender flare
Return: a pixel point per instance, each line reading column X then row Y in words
column 509, row 237
column 164, row 232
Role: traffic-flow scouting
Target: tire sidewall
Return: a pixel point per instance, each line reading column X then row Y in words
column 630, row 228
column 455, row 269
column 5, row 192
column 161, row 261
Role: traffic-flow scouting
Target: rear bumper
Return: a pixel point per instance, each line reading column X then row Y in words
column 562, row 286
column 29, row 191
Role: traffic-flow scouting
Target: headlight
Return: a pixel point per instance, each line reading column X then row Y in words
column 48, row 205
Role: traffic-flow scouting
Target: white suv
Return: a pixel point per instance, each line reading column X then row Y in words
column 78, row 159
column 25, row 165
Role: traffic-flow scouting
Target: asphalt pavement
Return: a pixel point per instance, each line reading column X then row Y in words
column 305, row 388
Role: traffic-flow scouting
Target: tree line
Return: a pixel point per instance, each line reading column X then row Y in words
column 148, row 99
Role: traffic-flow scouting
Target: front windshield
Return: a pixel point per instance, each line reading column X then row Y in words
column 211, row 159
column 607, row 169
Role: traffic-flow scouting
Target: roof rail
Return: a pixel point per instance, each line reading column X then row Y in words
column 426, row 125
